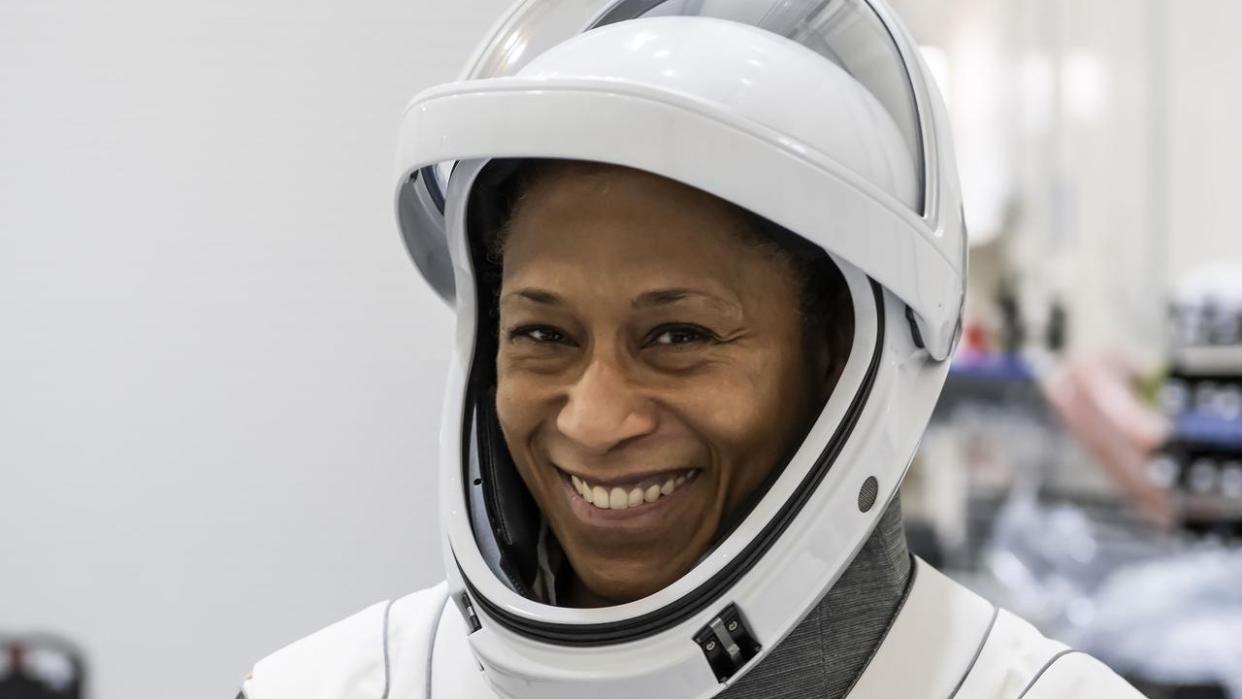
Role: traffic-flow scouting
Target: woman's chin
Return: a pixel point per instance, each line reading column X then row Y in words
column 613, row 591
column 618, row 580
column 622, row 555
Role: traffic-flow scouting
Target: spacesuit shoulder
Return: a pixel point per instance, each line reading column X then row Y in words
column 948, row 641
column 353, row 658
column 1076, row 674
column 1016, row 661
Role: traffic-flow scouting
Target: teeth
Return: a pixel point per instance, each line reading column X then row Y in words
column 635, row 497
column 618, row 498
column 583, row 490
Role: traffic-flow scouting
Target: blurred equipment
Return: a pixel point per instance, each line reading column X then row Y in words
column 1097, row 399
column 1201, row 464
column 1162, row 609
column 1104, row 508
column 1176, row 620
column 40, row 667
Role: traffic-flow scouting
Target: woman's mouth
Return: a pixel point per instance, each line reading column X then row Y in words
column 631, row 494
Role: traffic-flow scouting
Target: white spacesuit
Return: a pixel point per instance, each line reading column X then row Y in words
column 820, row 117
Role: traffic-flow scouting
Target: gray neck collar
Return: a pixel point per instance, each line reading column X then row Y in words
column 829, row 649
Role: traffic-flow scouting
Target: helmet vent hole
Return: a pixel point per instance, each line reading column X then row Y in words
column 866, row 496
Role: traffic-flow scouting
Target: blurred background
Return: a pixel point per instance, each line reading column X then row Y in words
column 220, row 375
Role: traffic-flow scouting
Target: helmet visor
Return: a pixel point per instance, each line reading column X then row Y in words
column 851, row 33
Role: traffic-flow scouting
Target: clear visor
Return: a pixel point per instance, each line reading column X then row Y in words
column 850, row 33
column 854, row 34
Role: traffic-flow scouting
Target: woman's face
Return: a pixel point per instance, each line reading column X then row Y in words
column 652, row 370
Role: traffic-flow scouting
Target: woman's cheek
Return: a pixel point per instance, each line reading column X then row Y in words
column 515, row 409
column 746, row 424
column 730, row 411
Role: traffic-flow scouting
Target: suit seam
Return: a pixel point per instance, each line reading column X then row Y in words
column 1031, row 685
column 387, row 664
column 431, row 642
column 978, row 652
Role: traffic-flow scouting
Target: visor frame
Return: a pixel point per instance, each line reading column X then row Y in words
column 775, row 594
column 522, row 118
column 500, row 606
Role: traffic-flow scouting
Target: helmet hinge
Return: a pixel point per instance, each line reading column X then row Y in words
column 914, row 329
column 467, row 611
column 727, row 643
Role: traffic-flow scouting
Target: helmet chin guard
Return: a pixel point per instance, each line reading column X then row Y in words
column 821, row 118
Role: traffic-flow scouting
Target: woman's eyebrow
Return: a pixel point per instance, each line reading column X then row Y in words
column 663, row 297
column 649, row 299
column 540, row 296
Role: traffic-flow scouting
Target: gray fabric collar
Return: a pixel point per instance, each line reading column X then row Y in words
column 830, row 648
column 824, row 655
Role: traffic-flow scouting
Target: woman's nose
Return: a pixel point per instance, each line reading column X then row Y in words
column 603, row 410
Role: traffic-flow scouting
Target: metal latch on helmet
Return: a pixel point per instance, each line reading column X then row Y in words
column 727, row 643
column 467, row 612
column 915, row 333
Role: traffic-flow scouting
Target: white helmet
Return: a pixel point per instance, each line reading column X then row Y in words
column 818, row 115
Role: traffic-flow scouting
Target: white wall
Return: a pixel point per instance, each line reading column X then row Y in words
column 1120, row 139
column 220, row 376
column 1205, row 110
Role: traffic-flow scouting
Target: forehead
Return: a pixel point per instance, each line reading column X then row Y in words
column 607, row 220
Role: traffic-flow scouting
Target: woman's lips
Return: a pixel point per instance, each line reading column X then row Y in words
column 638, row 492
column 629, row 499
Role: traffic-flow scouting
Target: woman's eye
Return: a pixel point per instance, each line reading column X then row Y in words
column 538, row 333
column 680, row 335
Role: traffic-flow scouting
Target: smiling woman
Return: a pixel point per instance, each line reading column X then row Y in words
column 708, row 270
column 655, row 365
